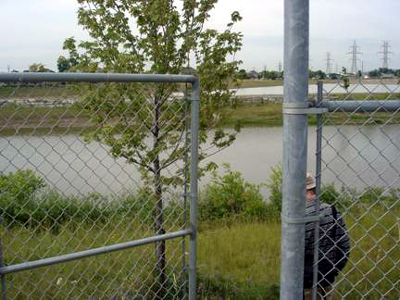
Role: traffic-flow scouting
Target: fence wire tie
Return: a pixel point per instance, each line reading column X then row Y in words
column 302, row 108
column 302, row 220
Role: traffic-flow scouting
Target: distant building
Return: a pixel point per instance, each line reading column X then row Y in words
column 253, row 75
column 333, row 76
column 389, row 75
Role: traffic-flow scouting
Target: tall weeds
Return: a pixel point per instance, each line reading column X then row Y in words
column 239, row 238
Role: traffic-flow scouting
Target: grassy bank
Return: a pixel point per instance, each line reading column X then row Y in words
column 57, row 90
column 259, row 115
column 45, row 120
column 129, row 273
column 251, row 83
column 22, row 119
column 238, row 241
column 39, row 91
column 246, row 257
column 236, row 260
column 253, row 115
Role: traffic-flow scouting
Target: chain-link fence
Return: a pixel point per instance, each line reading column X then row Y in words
column 92, row 164
column 70, row 189
column 359, row 170
column 340, row 238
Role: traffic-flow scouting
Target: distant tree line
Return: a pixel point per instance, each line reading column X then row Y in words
column 384, row 71
column 273, row 75
column 318, row 74
column 66, row 64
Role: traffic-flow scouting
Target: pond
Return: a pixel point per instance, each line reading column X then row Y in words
column 330, row 88
column 353, row 156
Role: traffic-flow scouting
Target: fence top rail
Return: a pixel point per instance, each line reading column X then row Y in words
column 94, row 77
column 362, row 106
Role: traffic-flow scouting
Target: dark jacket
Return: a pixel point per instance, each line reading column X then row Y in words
column 334, row 245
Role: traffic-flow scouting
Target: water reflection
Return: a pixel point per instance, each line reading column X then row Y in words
column 331, row 88
column 352, row 156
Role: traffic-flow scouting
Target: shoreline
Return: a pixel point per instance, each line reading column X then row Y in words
column 253, row 112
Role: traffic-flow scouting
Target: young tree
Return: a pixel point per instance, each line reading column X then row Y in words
column 241, row 74
column 154, row 36
column 65, row 64
column 316, row 74
column 37, row 67
column 270, row 74
column 374, row 73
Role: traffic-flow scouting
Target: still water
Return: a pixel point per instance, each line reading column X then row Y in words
column 352, row 156
column 330, row 88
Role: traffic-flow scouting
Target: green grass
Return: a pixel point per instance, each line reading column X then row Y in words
column 35, row 113
column 238, row 255
column 248, row 115
column 251, row 83
column 374, row 260
column 233, row 250
column 21, row 119
column 49, row 90
column 364, row 96
column 247, row 255
column 125, row 273
column 45, row 120
column 235, row 259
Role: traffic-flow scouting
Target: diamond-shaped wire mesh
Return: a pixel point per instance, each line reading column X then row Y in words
column 89, row 165
column 361, row 177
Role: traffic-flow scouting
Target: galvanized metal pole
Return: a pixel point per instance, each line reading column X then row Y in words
column 93, row 77
column 193, row 189
column 184, row 274
column 91, row 252
column 362, row 106
column 318, row 156
column 296, row 39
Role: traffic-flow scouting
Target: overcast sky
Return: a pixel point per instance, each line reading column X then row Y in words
column 34, row 30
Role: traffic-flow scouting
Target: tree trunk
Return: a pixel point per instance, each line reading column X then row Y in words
column 158, row 226
column 158, row 211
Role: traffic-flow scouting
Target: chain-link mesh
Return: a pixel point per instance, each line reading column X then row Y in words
column 360, row 177
column 87, row 165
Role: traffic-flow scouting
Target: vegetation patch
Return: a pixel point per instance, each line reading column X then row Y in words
column 238, row 241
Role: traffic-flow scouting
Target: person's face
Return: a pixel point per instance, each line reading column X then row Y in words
column 310, row 195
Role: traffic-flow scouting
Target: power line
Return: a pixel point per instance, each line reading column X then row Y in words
column 385, row 53
column 329, row 61
column 354, row 51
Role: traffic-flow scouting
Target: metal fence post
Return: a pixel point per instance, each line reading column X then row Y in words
column 193, row 189
column 318, row 155
column 186, row 195
column 296, row 39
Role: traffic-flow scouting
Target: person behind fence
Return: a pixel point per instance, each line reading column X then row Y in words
column 334, row 245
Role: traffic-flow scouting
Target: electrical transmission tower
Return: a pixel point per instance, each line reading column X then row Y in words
column 354, row 51
column 329, row 61
column 385, row 53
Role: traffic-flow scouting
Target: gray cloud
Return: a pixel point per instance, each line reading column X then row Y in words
column 34, row 30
